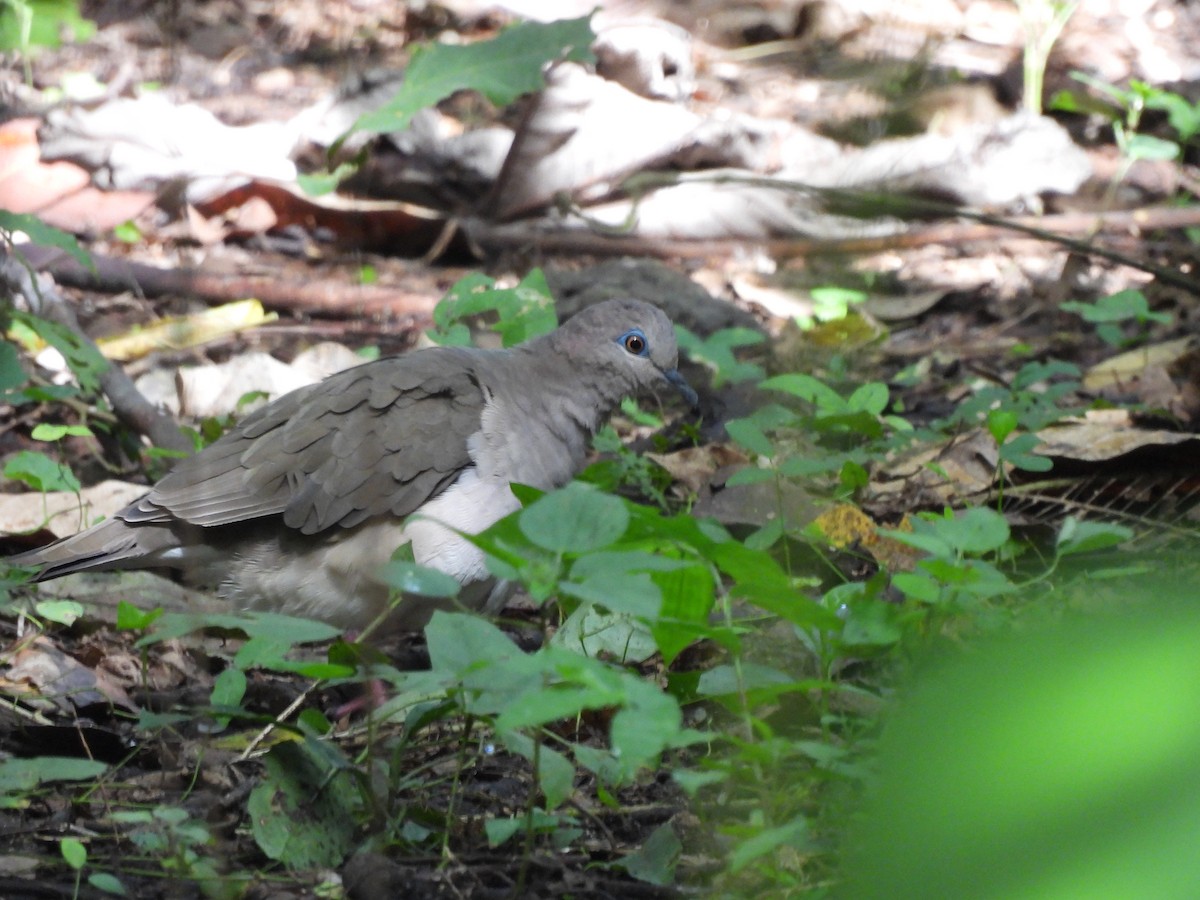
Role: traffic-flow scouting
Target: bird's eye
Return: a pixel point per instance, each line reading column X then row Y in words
column 635, row 343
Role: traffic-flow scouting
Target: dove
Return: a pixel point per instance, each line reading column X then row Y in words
column 301, row 504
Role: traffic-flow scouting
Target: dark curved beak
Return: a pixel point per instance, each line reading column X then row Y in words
column 693, row 400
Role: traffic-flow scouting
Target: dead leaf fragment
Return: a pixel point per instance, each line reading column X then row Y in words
column 848, row 527
column 178, row 332
column 694, row 467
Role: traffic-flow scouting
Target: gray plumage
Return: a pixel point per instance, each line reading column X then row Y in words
column 297, row 507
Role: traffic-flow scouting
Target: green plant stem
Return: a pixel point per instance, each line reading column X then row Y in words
column 456, row 783
column 530, row 806
column 1043, row 21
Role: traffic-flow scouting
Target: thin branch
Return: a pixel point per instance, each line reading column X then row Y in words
column 42, row 298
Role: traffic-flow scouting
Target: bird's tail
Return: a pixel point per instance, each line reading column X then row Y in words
column 110, row 545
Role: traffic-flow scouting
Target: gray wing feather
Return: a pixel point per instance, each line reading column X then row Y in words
column 378, row 439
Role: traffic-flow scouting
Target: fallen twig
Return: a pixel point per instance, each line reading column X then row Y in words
column 41, row 296
column 313, row 296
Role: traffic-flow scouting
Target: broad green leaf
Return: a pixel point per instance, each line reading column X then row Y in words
column 1078, row 536
column 64, row 612
column 555, row 773
column 110, row 884
column 793, row 834
column 304, row 811
column 500, row 830
column 917, row 586
column 286, row 630
column 411, row 578
column 750, row 435
column 870, row 398
column 20, row 776
column 575, row 519
column 1045, row 764
column 631, row 593
column 40, row 472
column 750, row 474
column 47, row 432
column 1147, row 146
column 615, row 636
column 501, row 69
column 645, row 727
column 1001, row 423
column 614, row 563
column 459, row 642
column 130, row 618
column 85, row 361
column 654, row 862
column 11, row 373
column 1020, row 452
column 807, row 388
column 73, row 852
column 39, row 232
column 978, row 530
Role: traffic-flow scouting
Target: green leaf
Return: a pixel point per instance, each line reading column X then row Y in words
column 1055, row 762
column 40, row 472
column 645, row 727
column 85, row 361
column 459, row 643
column 808, row 388
column 39, row 232
column 916, row 586
column 229, row 687
column 130, row 618
column 1019, row 452
column 750, row 435
column 870, row 398
column 411, row 578
column 110, row 884
column 11, row 373
column 20, row 776
column 1147, row 146
column 283, row 630
column 500, row 830
column 502, row 69
column 304, row 811
column 717, row 352
column 64, row 612
column 575, row 519
column 1077, row 536
column 1001, row 423
column 654, row 862
column 555, row 773
column 73, row 852
column 750, row 474
column 688, row 595
column 793, row 833
column 606, row 635
column 46, row 432
column 633, row 593
column 523, row 312
column 318, row 184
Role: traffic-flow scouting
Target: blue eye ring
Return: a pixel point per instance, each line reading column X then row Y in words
column 635, row 342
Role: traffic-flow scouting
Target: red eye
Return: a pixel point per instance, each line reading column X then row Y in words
column 635, row 344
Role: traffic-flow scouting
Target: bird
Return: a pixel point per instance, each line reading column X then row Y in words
column 297, row 509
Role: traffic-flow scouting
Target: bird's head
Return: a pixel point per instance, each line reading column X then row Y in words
column 632, row 340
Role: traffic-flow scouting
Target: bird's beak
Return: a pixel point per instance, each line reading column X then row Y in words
column 693, row 400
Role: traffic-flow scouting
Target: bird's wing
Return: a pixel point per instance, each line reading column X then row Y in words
column 381, row 438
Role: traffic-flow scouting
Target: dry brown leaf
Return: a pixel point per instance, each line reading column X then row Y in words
column 848, row 527
column 694, row 467
column 45, row 671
